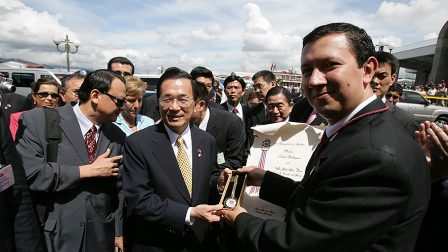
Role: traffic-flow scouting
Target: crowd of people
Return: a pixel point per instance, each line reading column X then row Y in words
column 98, row 165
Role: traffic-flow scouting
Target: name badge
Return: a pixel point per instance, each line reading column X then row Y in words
column 6, row 177
column 220, row 158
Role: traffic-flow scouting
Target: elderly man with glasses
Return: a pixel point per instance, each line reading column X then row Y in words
column 80, row 187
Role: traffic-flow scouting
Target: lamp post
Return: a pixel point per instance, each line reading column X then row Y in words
column 68, row 45
column 381, row 44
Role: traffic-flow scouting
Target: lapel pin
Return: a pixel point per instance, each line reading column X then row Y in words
column 199, row 152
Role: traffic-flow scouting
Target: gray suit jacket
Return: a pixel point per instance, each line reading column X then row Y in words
column 81, row 213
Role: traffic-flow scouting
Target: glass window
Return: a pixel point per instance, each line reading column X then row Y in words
column 415, row 98
column 22, row 79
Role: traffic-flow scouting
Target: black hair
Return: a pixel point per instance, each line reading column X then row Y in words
column 360, row 43
column 387, row 58
column 201, row 93
column 121, row 60
column 202, row 72
column 44, row 81
column 233, row 77
column 100, row 80
column 396, row 88
column 279, row 90
column 267, row 76
column 175, row 73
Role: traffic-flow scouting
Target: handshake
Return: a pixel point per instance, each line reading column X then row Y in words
column 229, row 211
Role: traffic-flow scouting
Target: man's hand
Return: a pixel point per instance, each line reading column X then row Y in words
column 230, row 215
column 103, row 166
column 223, row 179
column 119, row 243
column 434, row 143
column 255, row 175
column 206, row 212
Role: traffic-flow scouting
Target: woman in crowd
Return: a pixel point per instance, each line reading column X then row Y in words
column 45, row 94
column 130, row 120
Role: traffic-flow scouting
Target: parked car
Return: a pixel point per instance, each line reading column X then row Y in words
column 23, row 77
column 416, row 104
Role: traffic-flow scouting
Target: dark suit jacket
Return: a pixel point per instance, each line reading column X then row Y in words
column 156, row 194
column 404, row 118
column 150, row 107
column 368, row 192
column 302, row 111
column 19, row 228
column 12, row 103
column 228, row 130
column 83, row 214
column 432, row 236
column 248, row 132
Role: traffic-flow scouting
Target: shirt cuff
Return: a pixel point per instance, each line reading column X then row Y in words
column 188, row 220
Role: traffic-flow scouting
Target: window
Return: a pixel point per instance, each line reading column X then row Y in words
column 415, row 98
column 22, row 79
column 152, row 82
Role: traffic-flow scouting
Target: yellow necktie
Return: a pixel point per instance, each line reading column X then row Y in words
column 184, row 164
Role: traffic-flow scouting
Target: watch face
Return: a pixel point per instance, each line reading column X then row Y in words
column 230, row 203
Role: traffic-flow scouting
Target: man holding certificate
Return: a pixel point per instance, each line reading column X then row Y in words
column 366, row 186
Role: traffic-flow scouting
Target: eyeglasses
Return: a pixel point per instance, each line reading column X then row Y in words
column 119, row 102
column 124, row 73
column 46, row 94
column 182, row 102
column 75, row 92
column 259, row 86
column 393, row 96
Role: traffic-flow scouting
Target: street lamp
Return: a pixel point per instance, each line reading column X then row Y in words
column 68, row 45
column 381, row 44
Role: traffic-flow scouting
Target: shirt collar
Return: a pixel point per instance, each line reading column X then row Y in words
column 84, row 123
column 331, row 128
column 204, row 122
column 186, row 135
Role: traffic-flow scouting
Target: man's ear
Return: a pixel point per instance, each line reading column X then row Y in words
column 369, row 68
column 200, row 106
column 94, row 96
column 393, row 77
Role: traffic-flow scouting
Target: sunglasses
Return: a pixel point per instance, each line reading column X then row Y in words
column 119, row 102
column 46, row 94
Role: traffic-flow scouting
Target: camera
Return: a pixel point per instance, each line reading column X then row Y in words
column 6, row 85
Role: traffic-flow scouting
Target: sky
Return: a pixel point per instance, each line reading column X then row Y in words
column 224, row 36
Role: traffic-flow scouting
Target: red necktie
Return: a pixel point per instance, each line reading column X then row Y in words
column 311, row 117
column 90, row 142
column 235, row 111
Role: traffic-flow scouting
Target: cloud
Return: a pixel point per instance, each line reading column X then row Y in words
column 22, row 27
column 431, row 35
column 265, row 46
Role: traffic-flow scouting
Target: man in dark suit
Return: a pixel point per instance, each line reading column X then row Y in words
column 234, row 87
column 278, row 104
column 81, row 189
column 385, row 76
column 303, row 112
column 204, row 76
column 19, row 230
column 367, row 186
column 170, row 169
column 263, row 81
column 227, row 128
column 433, row 140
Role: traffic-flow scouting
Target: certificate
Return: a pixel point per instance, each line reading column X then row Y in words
column 283, row 148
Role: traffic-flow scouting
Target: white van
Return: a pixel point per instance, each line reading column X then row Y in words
column 150, row 79
column 23, row 77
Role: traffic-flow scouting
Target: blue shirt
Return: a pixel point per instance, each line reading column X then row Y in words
column 142, row 122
